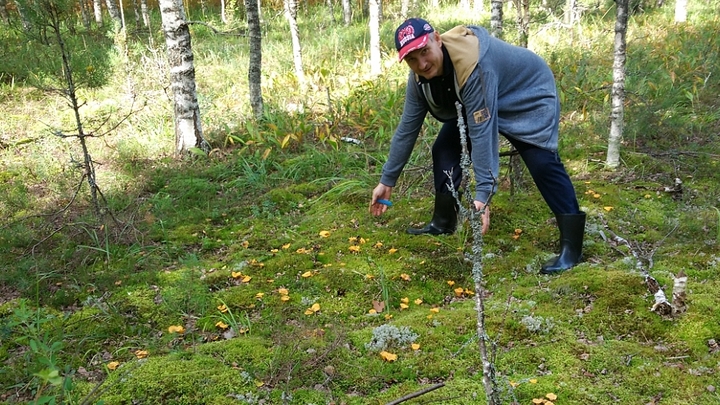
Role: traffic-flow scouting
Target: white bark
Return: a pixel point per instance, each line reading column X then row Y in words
column 523, row 22
column 114, row 12
column 347, row 12
column 83, row 12
column 291, row 16
column 681, row 11
column 255, row 68
column 188, row 128
column 618, row 87
column 374, row 25
column 496, row 17
column 97, row 9
column 145, row 13
column 478, row 6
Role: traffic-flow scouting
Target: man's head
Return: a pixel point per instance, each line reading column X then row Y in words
column 420, row 46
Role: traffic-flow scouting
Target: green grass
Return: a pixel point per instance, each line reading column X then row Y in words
column 274, row 225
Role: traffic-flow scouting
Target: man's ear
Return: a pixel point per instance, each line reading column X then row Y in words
column 437, row 37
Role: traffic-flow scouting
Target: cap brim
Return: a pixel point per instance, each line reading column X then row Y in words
column 414, row 45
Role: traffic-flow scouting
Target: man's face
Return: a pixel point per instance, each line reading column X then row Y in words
column 428, row 60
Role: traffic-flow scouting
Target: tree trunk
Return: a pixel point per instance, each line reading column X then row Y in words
column 496, row 16
column 331, row 9
column 3, row 11
column 291, row 16
column 347, row 12
column 114, row 12
column 478, row 6
column 223, row 17
column 136, row 11
column 374, row 23
column 145, row 14
column 188, row 129
column 523, row 21
column 255, row 69
column 83, row 12
column 97, row 8
column 618, row 87
column 404, row 8
column 681, row 11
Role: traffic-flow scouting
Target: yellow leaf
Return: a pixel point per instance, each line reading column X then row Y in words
column 387, row 356
column 551, row 396
column 324, row 234
column 405, row 300
column 246, row 279
column 458, row 292
column 435, row 310
column 469, row 292
column 648, row 196
column 354, row 248
column 270, row 280
column 415, row 346
column 608, row 209
column 372, row 311
column 245, row 244
column 391, row 251
column 285, row 246
column 596, row 195
column 538, row 401
column 369, row 277
column 141, row 354
column 176, row 329
column 405, row 277
column 514, row 384
column 362, row 240
column 113, row 365
column 418, row 301
column 309, row 311
column 236, row 274
column 222, row 308
column 259, row 295
column 307, row 274
column 451, row 283
column 388, row 317
column 274, row 250
column 259, row 383
column 222, row 325
column 404, row 306
column 315, row 307
column 429, row 316
column 283, row 291
column 352, row 239
column 378, row 245
column 301, row 250
column 285, row 298
column 533, row 381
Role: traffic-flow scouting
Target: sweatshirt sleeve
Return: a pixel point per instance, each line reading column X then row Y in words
column 403, row 141
column 480, row 97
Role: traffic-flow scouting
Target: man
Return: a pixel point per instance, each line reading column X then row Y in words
column 504, row 89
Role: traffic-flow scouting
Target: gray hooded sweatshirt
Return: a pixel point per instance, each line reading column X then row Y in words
column 504, row 89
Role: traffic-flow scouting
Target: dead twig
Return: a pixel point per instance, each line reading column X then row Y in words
column 416, row 394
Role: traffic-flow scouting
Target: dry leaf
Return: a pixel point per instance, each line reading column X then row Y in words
column 451, row 283
column 307, row 274
column 418, row 301
column 392, row 250
column 405, row 277
column 378, row 306
column 324, row 234
column 283, row 291
column 141, row 354
column 354, row 248
column 458, row 292
column 113, row 365
column 236, row 274
column 435, row 310
column 551, row 396
column 176, row 329
column 222, row 325
column 405, row 300
column 222, row 308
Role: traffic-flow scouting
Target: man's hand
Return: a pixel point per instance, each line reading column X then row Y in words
column 380, row 192
column 485, row 217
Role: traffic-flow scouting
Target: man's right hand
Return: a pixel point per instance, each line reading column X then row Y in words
column 380, row 192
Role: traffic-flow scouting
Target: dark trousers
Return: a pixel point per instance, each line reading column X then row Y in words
column 545, row 167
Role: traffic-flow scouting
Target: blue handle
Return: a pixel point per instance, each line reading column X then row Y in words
column 384, row 202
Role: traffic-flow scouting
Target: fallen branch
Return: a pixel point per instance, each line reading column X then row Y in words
column 416, row 394
column 661, row 306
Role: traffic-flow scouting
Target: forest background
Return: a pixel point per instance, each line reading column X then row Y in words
column 251, row 272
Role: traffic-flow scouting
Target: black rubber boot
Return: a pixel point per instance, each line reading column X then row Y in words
column 572, row 230
column 444, row 219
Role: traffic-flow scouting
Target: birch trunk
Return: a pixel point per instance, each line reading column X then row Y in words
column 618, row 87
column 81, row 5
column 681, row 11
column 374, row 25
column 478, row 6
column 523, row 21
column 97, row 9
column 188, row 130
column 3, row 11
column 114, row 12
column 496, row 16
column 223, row 17
column 347, row 12
column 255, row 69
column 291, row 16
column 331, row 9
column 145, row 13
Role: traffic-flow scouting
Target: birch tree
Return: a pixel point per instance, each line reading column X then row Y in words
column 188, row 129
column 347, row 12
column 3, row 11
column 681, row 11
column 374, row 25
column 97, row 9
column 291, row 16
column 618, row 86
column 496, row 16
column 255, row 68
column 523, row 21
column 83, row 13
column 145, row 14
column 114, row 12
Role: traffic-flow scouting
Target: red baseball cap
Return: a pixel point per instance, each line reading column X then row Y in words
column 411, row 35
